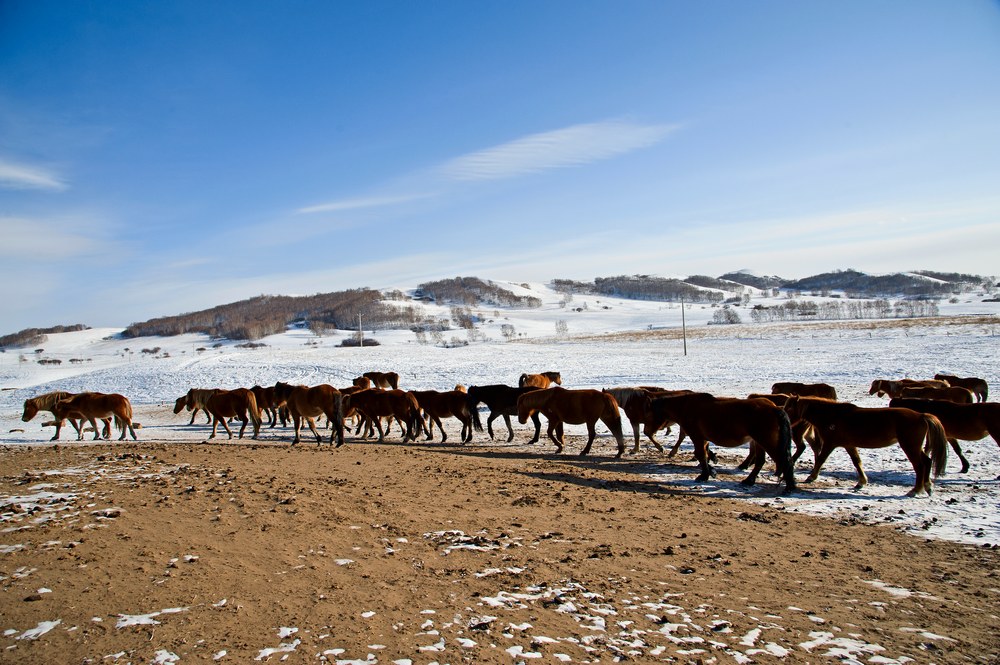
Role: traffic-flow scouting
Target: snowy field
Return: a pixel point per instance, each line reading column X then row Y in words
column 609, row 343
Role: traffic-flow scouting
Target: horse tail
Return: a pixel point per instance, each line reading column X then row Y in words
column 127, row 409
column 338, row 417
column 472, row 403
column 784, row 451
column 522, row 379
column 985, row 392
column 254, row 410
column 937, row 441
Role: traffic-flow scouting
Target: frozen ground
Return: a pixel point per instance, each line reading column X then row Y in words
column 644, row 349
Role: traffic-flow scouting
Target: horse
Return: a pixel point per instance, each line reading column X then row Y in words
column 267, row 403
column 951, row 394
column 46, row 401
column 883, row 387
column 437, row 405
column 978, row 386
column 238, row 403
column 386, row 380
column 635, row 403
column 802, row 432
column 362, row 383
column 844, row 425
column 307, row 403
column 374, row 404
column 575, row 407
column 541, row 380
column 804, row 389
column 968, row 422
column 194, row 399
column 502, row 401
column 731, row 422
column 91, row 406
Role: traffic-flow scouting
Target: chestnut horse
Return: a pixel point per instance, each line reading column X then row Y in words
column 93, row 406
column 46, row 401
column 194, row 399
column 968, row 422
column 267, row 403
column 375, row 404
column 804, row 389
column 575, row 407
column 501, row 400
column 955, row 394
column 239, row 403
column 437, row 405
column 387, row 380
column 731, row 422
column 883, row 387
column 541, row 380
column 308, row 403
column 978, row 386
column 843, row 425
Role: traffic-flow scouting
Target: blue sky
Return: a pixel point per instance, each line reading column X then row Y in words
column 163, row 157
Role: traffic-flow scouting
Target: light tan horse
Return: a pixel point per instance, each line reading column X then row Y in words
column 843, row 425
column 540, row 380
column 376, row 404
column 307, row 403
column 451, row 404
column 194, row 399
column 966, row 422
column 94, row 406
column 978, row 386
column 385, row 380
column 731, row 422
column 238, row 403
column 574, row 407
column 46, row 401
column 954, row 394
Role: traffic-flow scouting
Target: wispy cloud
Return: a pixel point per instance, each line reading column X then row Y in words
column 571, row 146
column 21, row 176
column 360, row 203
column 43, row 240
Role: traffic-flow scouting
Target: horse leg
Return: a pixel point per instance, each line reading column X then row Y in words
column 958, row 451
column 748, row 460
column 444, row 435
column 243, row 419
column 97, row 430
column 225, row 424
column 852, row 452
column 555, row 426
column 297, row 424
column 701, row 453
column 215, row 423
column 757, row 453
column 312, row 427
column 921, row 463
column 591, row 434
column 635, row 435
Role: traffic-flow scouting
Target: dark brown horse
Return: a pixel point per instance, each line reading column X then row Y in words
column 238, row 403
column 804, row 389
column 501, row 400
column 966, row 422
column 94, row 406
column 575, row 407
column 376, row 404
column 386, row 380
column 540, row 380
column 193, row 400
column 978, row 386
column 731, row 422
column 843, row 425
column 309, row 402
column 954, row 394
column 267, row 403
column 451, row 404
column 883, row 387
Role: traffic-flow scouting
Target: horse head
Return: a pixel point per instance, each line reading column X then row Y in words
column 180, row 403
column 30, row 409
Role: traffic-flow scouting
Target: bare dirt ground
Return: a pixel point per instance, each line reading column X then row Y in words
column 240, row 552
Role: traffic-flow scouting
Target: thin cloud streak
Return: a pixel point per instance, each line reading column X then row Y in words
column 571, row 146
column 20, row 176
column 361, row 203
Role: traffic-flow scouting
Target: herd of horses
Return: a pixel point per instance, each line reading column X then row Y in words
column 923, row 417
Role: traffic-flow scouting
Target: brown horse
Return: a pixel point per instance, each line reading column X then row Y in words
column 541, row 380
column 978, row 386
column 955, row 394
column 362, row 383
column 731, row 422
column 386, row 380
column 802, row 432
column 437, row 405
column 194, row 399
column 804, row 389
column 376, row 404
column 843, row 425
column 46, row 401
column 883, row 387
column 239, row 403
column 968, row 422
column 634, row 402
column 267, row 403
column 501, row 400
column 308, row 403
column 93, row 406
column 575, row 407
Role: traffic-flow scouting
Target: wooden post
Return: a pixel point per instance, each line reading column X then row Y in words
column 684, row 334
column 361, row 333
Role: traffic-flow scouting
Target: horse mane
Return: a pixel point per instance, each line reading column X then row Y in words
column 46, row 401
column 625, row 395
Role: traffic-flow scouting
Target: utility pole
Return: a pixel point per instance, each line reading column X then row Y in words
column 684, row 333
column 361, row 333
